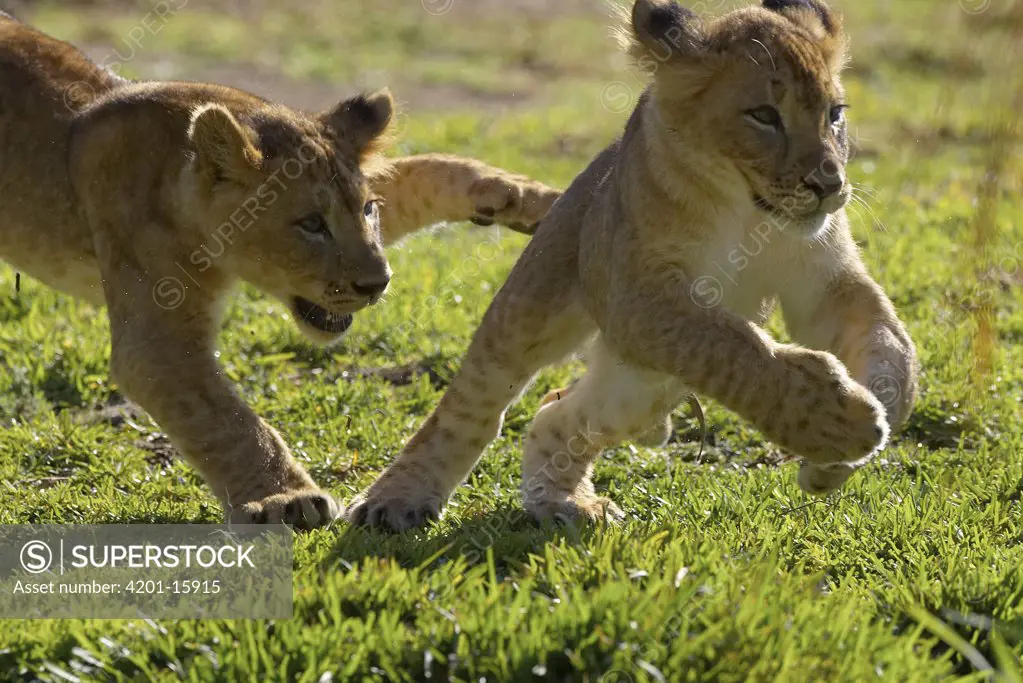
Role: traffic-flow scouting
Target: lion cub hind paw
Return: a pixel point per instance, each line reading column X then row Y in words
column 657, row 436
column 570, row 511
column 304, row 510
column 392, row 514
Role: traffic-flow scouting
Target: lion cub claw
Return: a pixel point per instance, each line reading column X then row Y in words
column 573, row 510
column 515, row 201
column 849, row 423
column 391, row 505
column 305, row 509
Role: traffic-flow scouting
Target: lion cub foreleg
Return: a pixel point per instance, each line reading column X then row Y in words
column 422, row 190
column 854, row 319
column 162, row 357
column 802, row 399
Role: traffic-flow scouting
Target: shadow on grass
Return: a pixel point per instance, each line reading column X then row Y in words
column 935, row 431
column 59, row 389
column 509, row 531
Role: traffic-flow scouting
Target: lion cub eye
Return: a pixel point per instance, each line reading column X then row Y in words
column 314, row 224
column 765, row 116
column 837, row 113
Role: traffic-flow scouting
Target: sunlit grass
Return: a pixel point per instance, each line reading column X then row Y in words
column 724, row 571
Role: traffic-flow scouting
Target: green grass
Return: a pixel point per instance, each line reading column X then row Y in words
column 725, row 570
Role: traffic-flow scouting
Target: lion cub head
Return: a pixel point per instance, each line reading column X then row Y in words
column 291, row 208
column 756, row 92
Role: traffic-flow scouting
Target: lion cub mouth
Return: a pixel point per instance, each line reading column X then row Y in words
column 768, row 207
column 319, row 317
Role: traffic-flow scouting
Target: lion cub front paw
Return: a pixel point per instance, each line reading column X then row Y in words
column 818, row 480
column 839, row 420
column 515, row 201
column 396, row 501
column 571, row 510
column 304, row 509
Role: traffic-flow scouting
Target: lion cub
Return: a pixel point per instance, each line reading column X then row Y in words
column 155, row 198
column 724, row 194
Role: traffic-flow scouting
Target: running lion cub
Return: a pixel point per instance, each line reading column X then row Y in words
column 156, row 198
column 740, row 140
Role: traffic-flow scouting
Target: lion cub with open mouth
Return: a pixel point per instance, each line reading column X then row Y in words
column 155, row 198
column 724, row 194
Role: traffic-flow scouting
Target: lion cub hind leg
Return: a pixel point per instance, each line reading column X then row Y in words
column 501, row 361
column 613, row 402
column 654, row 437
column 535, row 320
column 658, row 435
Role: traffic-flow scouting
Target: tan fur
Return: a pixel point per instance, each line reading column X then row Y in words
column 155, row 198
column 668, row 252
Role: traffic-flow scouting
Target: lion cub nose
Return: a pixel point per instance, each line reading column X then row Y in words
column 371, row 287
column 825, row 181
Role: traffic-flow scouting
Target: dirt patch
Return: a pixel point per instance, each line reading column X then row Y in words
column 529, row 8
column 320, row 95
column 927, row 61
column 313, row 95
column 310, row 95
column 161, row 454
column 17, row 8
column 121, row 413
column 403, row 375
column 117, row 412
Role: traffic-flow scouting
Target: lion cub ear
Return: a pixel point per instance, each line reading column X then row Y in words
column 363, row 121
column 821, row 22
column 223, row 147
column 663, row 29
column 811, row 14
